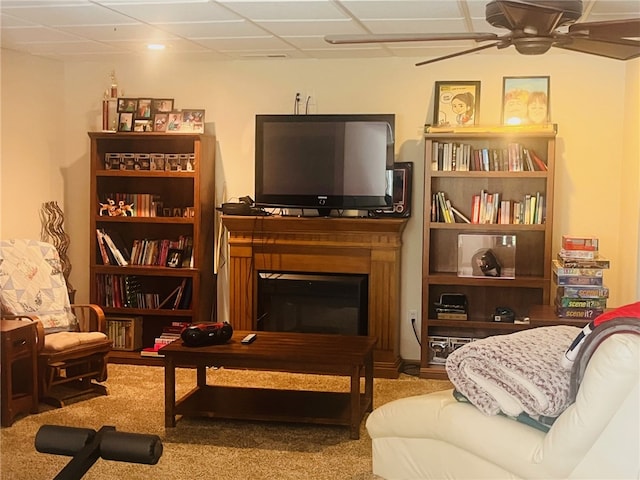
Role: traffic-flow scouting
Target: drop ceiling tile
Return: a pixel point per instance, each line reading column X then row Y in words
column 68, row 48
column 108, row 33
column 613, row 7
column 36, row 34
column 416, row 26
column 189, row 11
column 312, row 27
column 265, row 43
column 284, row 10
column 60, row 13
column 404, row 9
column 231, row 28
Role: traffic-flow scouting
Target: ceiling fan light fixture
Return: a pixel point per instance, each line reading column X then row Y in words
column 533, row 45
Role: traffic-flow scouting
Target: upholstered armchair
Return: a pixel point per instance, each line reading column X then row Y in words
column 597, row 436
column 72, row 342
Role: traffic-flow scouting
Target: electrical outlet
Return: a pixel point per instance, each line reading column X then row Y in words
column 413, row 316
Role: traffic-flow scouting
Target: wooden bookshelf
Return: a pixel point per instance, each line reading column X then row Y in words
column 531, row 284
column 192, row 192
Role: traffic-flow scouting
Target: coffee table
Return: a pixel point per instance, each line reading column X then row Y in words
column 344, row 355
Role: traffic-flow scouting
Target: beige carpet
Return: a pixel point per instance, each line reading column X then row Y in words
column 200, row 448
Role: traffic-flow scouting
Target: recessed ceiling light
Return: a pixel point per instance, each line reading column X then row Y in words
column 156, row 46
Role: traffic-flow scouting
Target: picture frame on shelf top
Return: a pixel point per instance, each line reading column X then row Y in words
column 456, row 103
column 525, row 100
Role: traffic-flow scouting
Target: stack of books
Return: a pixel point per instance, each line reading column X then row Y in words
column 169, row 334
column 578, row 272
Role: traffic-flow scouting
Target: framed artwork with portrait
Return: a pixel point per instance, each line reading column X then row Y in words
column 456, row 103
column 525, row 101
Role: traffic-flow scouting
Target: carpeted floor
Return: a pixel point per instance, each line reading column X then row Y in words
column 200, row 448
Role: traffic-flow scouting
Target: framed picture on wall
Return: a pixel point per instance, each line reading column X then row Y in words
column 525, row 100
column 456, row 103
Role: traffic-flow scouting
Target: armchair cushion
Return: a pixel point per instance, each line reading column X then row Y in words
column 60, row 341
column 31, row 282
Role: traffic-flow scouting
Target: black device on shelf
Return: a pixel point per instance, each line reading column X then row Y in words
column 325, row 162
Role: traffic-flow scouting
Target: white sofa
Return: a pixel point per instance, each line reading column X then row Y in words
column 598, row 437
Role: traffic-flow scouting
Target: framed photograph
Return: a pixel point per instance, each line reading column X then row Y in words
column 401, row 179
column 174, row 258
column 456, row 103
column 162, row 105
column 174, row 122
column 160, row 122
column 525, row 101
column 140, row 125
column 144, row 108
column 127, row 105
column 125, row 122
column 192, row 121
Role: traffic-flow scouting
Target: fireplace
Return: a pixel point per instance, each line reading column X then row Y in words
column 312, row 303
column 321, row 246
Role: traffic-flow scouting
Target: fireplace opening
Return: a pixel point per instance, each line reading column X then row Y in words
column 313, row 303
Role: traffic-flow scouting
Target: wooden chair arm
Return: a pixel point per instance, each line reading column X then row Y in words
column 83, row 312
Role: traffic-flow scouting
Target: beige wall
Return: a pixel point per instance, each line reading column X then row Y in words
column 47, row 156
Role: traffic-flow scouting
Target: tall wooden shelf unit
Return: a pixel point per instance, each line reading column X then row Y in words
column 532, row 283
column 176, row 189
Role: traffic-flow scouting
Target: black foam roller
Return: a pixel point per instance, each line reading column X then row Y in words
column 61, row 440
column 131, row 447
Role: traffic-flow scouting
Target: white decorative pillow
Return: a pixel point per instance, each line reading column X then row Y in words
column 31, row 283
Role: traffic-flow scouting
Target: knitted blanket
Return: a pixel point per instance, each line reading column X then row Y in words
column 515, row 373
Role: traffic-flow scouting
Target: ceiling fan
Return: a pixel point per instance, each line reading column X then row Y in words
column 533, row 29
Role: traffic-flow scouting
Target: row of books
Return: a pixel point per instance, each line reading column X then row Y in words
column 453, row 156
column 151, row 252
column 581, row 293
column 169, row 162
column 169, row 334
column 125, row 332
column 126, row 291
column 172, row 253
column 489, row 208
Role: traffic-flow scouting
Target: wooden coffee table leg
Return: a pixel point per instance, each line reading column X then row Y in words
column 355, row 402
column 368, row 382
column 201, row 375
column 169, row 392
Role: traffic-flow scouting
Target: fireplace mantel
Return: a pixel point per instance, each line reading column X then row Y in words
column 368, row 246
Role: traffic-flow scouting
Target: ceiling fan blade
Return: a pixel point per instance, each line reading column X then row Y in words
column 609, row 29
column 534, row 18
column 464, row 52
column 408, row 37
column 616, row 49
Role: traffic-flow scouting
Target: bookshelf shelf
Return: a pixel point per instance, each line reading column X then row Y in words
column 157, row 196
column 531, row 284
column 163, row 220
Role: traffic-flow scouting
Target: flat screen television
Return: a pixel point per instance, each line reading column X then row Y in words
column 325, row 162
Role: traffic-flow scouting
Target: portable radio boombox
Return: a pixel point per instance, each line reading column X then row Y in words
column 201, row 334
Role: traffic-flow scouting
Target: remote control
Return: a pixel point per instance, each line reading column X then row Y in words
column 249, row 338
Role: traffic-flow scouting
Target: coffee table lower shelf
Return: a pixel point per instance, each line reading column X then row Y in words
column 294, row 406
